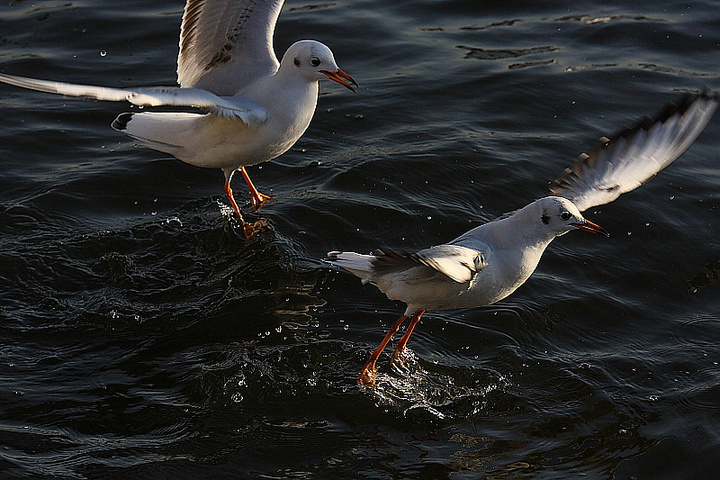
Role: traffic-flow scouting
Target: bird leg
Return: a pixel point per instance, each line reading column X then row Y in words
column 248, row 228
column 397, row 356
column 368, row 373
column 258, row 199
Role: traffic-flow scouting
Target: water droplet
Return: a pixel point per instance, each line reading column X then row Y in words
column 173, row 221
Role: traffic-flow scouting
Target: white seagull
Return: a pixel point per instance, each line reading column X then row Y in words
column 254, row 108
column 491, row 261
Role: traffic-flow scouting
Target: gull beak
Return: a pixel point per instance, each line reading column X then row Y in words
column 589, row 226
column 342, row 78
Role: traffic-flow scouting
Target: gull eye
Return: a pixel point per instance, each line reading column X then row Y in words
column 315, row 61
column 566, row 215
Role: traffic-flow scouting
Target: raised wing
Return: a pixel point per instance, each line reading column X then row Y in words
column 227, row 44
column 632, row 156
column 234, row 107
column 458, row 263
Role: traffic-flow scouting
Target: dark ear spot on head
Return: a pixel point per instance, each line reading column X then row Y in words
column 296, row 62
column 545, row 218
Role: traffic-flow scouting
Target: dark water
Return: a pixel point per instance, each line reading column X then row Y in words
column 141, row 337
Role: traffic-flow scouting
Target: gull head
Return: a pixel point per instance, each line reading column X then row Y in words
column 558, row 215
column 314, row 61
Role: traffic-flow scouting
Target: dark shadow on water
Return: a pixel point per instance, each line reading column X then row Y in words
column 705, row 278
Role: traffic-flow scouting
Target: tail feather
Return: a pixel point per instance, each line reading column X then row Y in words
column 357, row 264
column 163, row 131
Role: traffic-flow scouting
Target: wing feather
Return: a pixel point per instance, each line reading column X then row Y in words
column 634, row 155
column 227, row 44
column 455, row 262
column 229, row 107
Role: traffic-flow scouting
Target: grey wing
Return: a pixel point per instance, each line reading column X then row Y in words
column 631, row 157
column 233, row 107
column 460, row 264
column 227, row 44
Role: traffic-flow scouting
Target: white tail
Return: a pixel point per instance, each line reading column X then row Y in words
column 162, row 131
column 359, row 265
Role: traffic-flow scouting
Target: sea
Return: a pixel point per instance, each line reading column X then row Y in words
column 142, row 336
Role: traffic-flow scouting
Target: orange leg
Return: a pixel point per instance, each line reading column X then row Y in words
column 397, row 356
column 368, row 374
column 258, row 199
column 248, row 228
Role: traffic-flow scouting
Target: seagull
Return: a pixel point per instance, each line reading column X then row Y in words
column 252, row 107
column 489, row 262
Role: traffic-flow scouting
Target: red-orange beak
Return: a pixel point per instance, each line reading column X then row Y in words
column 342, row 78
column 591, row 227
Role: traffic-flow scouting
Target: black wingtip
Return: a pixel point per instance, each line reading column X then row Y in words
column 678, row 106
column 120, row 123
column 709, row 94
column 682, row 104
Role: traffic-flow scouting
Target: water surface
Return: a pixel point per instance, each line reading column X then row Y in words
column 141, row 336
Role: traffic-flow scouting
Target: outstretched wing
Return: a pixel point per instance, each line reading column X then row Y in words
column 235, row 107
column 458, row 263
column 631, row 157
column 227, row 44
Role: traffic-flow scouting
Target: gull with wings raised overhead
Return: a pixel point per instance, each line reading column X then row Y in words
column 254, row 108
